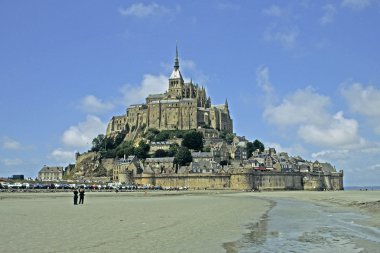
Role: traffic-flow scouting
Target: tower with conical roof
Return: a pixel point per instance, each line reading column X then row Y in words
column 176, row 83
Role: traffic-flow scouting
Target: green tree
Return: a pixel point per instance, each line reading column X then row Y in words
column 193, row 140
column 98, row 143
column 183, row 156
column 173, row 149
column 162, row 136
column 125, row 148
column 160, row 153
column 151, row 133
column 258, row 145
column 118, row 139
column 142, row 150
column 250, row 149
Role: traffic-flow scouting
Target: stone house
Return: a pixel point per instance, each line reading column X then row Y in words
column 205, row 167
column 156, row 145
column 220, row 152
column 238, row 151
column 125, row 168
column 50, row 173
column 159, row 165
column 202, row 156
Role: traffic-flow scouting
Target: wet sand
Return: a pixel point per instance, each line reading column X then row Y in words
column 317, row 222
column 125, row 222
column 192, row 221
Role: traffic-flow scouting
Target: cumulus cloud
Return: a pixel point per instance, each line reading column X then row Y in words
column 303, row 106
column 11, row 144
column 338, row 131
column 63, row 156
column 92, row 104
column 274, row 11
column 150, row 84
column 81, row 135
column 140, row 10
column 286, row 36
column 356, row 4
column 307, row 113
column 329, row 14
column 363, row 99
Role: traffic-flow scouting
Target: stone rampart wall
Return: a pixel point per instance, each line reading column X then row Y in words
column 193, row 181
column 264, row 181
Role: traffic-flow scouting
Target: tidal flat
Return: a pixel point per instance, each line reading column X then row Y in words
column 191, row 221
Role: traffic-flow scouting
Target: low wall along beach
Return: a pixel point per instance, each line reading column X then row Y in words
column 266, row 181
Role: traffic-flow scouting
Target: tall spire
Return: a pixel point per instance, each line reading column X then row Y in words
column 176, row 62
column 176, row 74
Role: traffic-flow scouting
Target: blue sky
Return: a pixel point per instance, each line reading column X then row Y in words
column 301, row 76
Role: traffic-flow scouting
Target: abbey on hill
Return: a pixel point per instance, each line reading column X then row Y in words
column 149, row 145
column 183, row 106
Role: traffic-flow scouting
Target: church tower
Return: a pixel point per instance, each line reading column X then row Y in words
column 176, row 83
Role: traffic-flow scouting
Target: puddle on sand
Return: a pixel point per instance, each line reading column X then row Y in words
column 295, row 226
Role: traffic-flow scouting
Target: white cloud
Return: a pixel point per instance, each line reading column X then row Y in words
column 356, row 4
column 12, row 162
column 294, row 150
column 262, row 78
column 274, row 11
column 81, row 135
column 331, row 155
column 339, row 131
column 329, row 14
column 63, row 156
column 92, row 104
column 11, row 144
column 150, row 84
column 141, row 10
column 363, row 100
column 287, row 37
column 307, row 113
column 303, row 106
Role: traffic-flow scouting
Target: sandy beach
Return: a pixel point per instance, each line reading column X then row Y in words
column 191, row 221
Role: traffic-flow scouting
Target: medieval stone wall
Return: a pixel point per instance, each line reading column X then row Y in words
column 193, row 181
column 263, row 181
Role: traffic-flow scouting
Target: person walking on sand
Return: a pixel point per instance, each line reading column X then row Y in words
column 81, row 195
column 75, row 191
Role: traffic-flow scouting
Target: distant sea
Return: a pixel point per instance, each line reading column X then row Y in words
column 358, row 188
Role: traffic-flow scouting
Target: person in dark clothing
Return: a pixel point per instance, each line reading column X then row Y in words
column 75, row 191
column 81, row 196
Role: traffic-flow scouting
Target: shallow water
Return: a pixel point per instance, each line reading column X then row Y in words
column 295, row 226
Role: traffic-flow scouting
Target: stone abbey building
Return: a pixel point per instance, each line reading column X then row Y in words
column 183, row 106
